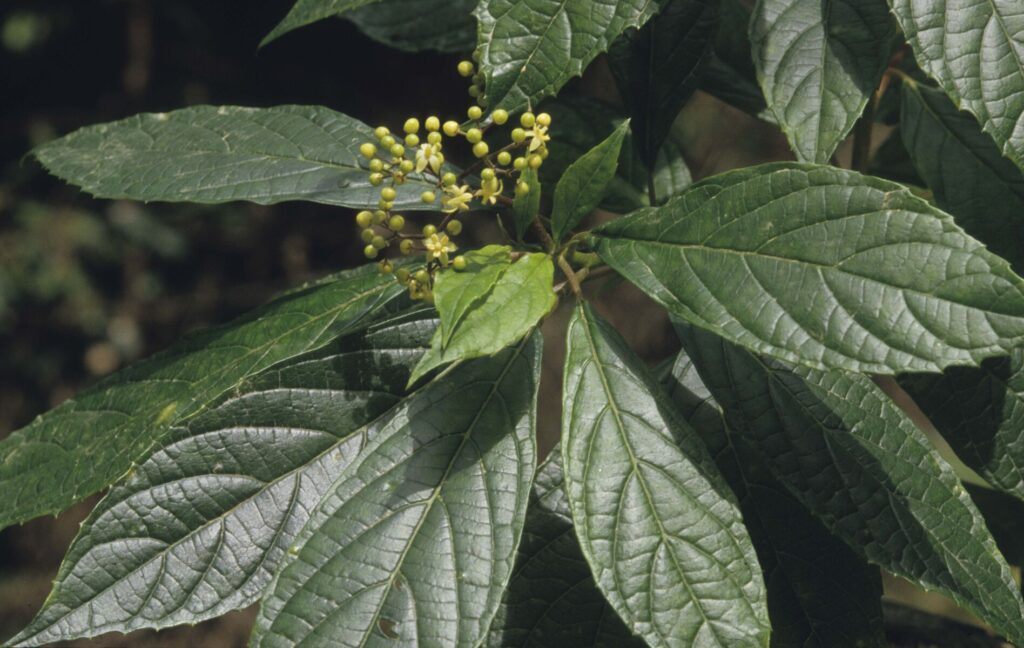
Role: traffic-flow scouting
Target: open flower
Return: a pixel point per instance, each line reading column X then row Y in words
column 456, row 199
column 538, row 136
column 429, row 155
column 438, row 246
column 490, row 190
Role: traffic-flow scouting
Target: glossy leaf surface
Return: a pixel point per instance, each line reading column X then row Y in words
column 415, row 543
column 200, row 527
column 304, row 12
column 417, row 25
column 90, row 441
column 855, row 460
column 824, row 267
column 656, row 521
column 583, row 185
column 210, row 154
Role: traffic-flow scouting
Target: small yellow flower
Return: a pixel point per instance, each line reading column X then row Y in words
column 490, row 190
column 438, row 246
column 429, row 155
column 456, row 199
column 538, row 136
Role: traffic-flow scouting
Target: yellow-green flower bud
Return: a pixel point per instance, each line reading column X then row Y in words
column 522, row 188
column 402, row 275
column 487, row 174
column 474, row 135
column 368, row 150
column 387, row 141
column 475, row 92
column 429, row 230
column 500, row 116
column 376, row 165
column 396, row 223
column 527, row 119
column 535, row 161
column 466, row 68
column 454, row 227
column 504, row 158
column 519, row 164
column 428, row 197
column 388, row 194
column 367, row 235
column 412, row 125
column 370, row 252
column 449, row 179
column 386, row 267
column 459, row 263
column 435, row 138
column 376, row 179
column 412, row 141
column 407, row 166
column 379, row 217
column 405, row 247
column 364, row 219
column 381, row 132
column 422, row 277
column 379, row 242
column 385, row 205
column 398, row 150
column 480, row 149
column 451, row 128
column 432, row 123
column 475, row 112
column 518, row 135
column 544, row 119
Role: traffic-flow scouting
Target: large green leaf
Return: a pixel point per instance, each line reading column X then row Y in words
column 90, row 441
column 657, row 68
column 458, row 293
column 552, row 599
column 818, row 63
column 530, row 48
column 209, row 154
column 305, row 12
column 855, row 460
column 824, row 267
column 973, row 49
column 820, row 593
column 519, row 298
column 965, row 170
column 200, row 527
column 657, row 523
column 417, row 25
column 583, row 185
column 415, row 542
column 980, row 412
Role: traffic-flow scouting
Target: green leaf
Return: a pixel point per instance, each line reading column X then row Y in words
column 305, row 12
column 516, row 302
column 90, row 441
column 965, row 169
column 552, row 599
column 525, row 207
column 416, row 540
column 820, row 593
column 584, row 183
column 856, row 461
column 529, row 49
column 980, row 412
column 418, row 25
column 211, row 154
column 657, row 523
column 200, row 527
column 818, row 63
column 457, row 293
column 824, row 267
column 973, row 50
column 658, row 67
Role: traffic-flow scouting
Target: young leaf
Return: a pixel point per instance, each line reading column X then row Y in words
column 458, row 293
column 305, row 12
column 965, row 170
column 208, row 154
column 860, row 465
column 973, row 50
column 980, row 412
column 820, row 593
column 526, row 206
column 418, row 25
column 657, row 68
column 552, row 599
column 520, row 298
column 583, row 184
column 88, row 442
column 200, row 527
column 886, row 282
column 659, row 527
column 818, row 63
column 528, row 50
column 416, row 540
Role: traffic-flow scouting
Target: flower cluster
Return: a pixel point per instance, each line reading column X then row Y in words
column 418, row 153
